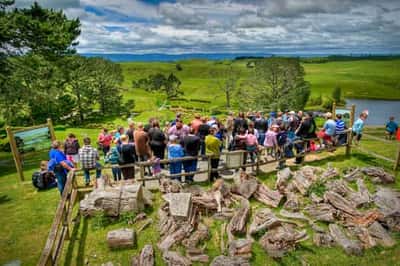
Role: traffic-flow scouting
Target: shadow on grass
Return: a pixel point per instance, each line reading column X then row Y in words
column 78, row 239
column 4, row 199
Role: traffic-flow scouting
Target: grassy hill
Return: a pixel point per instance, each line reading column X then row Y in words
column 374, row 79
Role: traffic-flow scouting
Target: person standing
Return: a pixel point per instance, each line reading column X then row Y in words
column 89, row 157
column 251, row 144
column 130, row 131
column 157, row 141
column 391, row 128
column 71, row 149
column 112, row 158
column 191, row 147
column 142, row 146
column 104, row 139
column 59, row 164
column 179, row 129
column 175, row 151
column 229, row 130
column 358, row 127
column 195, row 124
column 340, row 134
column 261, row 125
column 239, row 123
column 213, row 145
column 204, row 130
column 127, row 156
column 328, row 131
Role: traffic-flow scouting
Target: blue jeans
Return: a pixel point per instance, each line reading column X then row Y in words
column 175, row 168
column 116, row 171
column 261, row 138
column 86, row 172
column 61, row 180
column 190, row 166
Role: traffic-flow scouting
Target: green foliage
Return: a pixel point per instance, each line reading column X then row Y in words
column 317, row 187
column 337, row 94
column 315, row 101
column 227, row 81
column 178, row 67
column 159, row 82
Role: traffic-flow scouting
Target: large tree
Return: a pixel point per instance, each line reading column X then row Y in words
column 226, row 79
column 278, row 83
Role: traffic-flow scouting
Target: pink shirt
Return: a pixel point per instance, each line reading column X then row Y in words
column 251, row 140
column 270, row 139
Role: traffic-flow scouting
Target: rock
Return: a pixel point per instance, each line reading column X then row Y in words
column 146, row 257
column 366, row 219
column 281, row 239
column 175, row 237
column 202, row 233
column 267, row 196
column 352, row 174
column 237, row 224
column 340, row 203
column 172, row 258
column 263, row 219
column 132, row 198
column 367, row 241
column 380, row 176
column 315, row 198
column 292, row 202
column 282, row 180
column 121, row 238
column 180, row 204
column 351, row 247
column 322, row 212
column 240, row 248
column 361, row 197
column 388, row 202
column 323, row 240
column 340, row 187
column 225, row 214
column 224, row 261
column 380, row 234
column 170, row 186
column 247, row 186
column 203, row 258
column 331, row 172
column 147, row 197
column 301, row 183
column 293, row 215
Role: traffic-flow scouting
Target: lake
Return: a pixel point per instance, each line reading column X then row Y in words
column 379, row 110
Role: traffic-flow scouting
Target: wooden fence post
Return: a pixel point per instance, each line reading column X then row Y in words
column 209, row 167
column 349, row 140
column 51, row 129
column 352, row 115
column 15, row 153
column 397, row 162
column 334, row 109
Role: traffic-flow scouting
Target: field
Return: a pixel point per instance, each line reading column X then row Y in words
column 358, row 79
column 27, row 216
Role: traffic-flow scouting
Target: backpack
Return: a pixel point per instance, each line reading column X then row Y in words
column 281, row 138
column 43, row 180
column 37, row 180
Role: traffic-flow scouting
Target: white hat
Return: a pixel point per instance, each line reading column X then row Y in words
column 215, row 126
column 173, row 137
column 292, row 113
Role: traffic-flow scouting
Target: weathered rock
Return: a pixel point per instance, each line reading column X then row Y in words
column 267, row 196
column 206, row 201
column 323, row 239
column 379, row 175
column 101, row 201
column 331, row 172
column 352, row 174
column 322, row 212
column 121, row 238
column 170, row 186
column 202, row 233
column 362, row 196
column 176, row 237
column 315, row 198
column 145, row 258
column 340, row 203
column 388, row 202
column 224, row 261
column 366, row 219
column 237, row 224
column 367, row 241
column 172, row 258
column 292, row 202
column 225, row 214
column 381, row 235
column 281, row 239
column 293, row 215
column 282, row 180
column 132, row 198
column 263, row 219
column 240, row 248
column 301, row 183
column 203, row 258
column 351, row 247
column 180, row 204
column 340, row 187
column 247, row 186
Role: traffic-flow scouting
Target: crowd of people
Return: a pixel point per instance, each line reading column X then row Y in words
column 275, row 133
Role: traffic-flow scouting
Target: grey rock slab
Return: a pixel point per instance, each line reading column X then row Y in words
column 179, row 204
column 231, row 261
column 121, row 238
column 351, row 247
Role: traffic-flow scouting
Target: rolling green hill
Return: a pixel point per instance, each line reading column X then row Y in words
column 375, row 79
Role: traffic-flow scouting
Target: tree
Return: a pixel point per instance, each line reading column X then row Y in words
column 158, row 82
column 227, row 81
column 172, row 86
column 278, row 83
column 337, row 94
column 107, row 79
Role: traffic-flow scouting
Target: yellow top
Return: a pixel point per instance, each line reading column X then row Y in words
column 213, row 145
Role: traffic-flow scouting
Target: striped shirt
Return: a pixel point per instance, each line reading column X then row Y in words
column 339, row 126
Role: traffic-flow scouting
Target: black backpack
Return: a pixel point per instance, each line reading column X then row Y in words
column 43, row 180
column 37, row 180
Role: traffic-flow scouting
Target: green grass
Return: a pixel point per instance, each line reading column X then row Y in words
column 373, row 79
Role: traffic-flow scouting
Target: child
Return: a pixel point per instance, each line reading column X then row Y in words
column 112, row 157
column 391, row 128
column 175, row 151
column 358, row 127
column 156, row 168
column 251, row 144
column 270, row 141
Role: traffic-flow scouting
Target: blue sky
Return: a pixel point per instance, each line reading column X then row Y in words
column 259, row 26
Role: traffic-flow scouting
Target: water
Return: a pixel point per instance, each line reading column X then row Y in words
column 379, row 110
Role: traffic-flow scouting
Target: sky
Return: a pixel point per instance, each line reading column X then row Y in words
column 234, row 26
